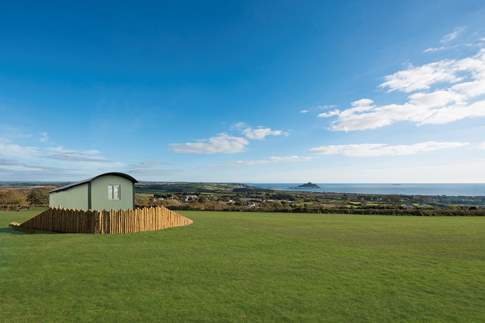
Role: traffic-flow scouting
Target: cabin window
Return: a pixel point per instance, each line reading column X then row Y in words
column 114, row 192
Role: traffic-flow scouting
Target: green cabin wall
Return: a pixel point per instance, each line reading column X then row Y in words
column 73, row 198
column 77, row 197
column 99, row 193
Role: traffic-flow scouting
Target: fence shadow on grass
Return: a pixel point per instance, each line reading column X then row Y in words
column 8, row 230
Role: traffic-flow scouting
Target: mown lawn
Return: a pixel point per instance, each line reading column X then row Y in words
column 250, row 267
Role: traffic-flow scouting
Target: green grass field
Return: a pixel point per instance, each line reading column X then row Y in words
column 250, row 267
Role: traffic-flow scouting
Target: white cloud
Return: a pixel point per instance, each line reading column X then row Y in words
column 436, row 99
column 227, row 144
column 363, row 103
column 329, row 114
column 422, row 77
column 303, row 111
column 379, row 150
column 458, row 87
column 275, row 159
column 261, row 133
column 221, row 143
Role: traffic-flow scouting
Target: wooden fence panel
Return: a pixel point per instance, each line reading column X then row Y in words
column 106, row 222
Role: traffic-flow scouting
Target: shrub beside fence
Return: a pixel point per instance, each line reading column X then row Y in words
column 106, row 221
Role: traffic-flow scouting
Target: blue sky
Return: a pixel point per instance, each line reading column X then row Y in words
column 249, row 91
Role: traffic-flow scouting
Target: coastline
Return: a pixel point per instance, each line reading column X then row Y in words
column 382, row 189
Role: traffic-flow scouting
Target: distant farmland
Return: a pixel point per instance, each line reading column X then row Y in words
column 250, row 267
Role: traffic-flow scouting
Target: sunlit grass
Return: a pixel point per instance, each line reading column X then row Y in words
column 250, row 267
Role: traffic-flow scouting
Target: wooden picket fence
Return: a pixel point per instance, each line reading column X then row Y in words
column 105, row 221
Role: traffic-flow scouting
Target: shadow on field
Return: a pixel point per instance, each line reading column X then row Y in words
column 6, row 230
column 11, row 230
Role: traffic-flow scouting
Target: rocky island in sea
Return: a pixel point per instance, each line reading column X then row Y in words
column 308, row 185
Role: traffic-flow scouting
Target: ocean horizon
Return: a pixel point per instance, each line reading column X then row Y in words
column 449, row 189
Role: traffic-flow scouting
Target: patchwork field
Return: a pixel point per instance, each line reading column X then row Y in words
column 250, row 267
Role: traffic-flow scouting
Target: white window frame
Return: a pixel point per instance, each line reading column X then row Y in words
column 111, row 192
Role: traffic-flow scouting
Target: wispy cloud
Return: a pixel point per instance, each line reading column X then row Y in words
column 238, row 126
column 54, row 161
column 18, row 166
column 380, row 150
column 361, row 105
column 446, row 40
column 13, row 150
column 275, row 159
column 151, row 169
column 9, row 149
column 435, row 49
column 44, row 137
column 437, row 93
column 221, row 143
column 261, row 133
column 453, row 35
column 61, row 153
column 318, row 108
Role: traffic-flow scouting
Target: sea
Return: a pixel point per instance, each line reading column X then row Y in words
column 400, row 189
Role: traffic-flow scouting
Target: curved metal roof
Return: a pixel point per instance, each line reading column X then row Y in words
column 66, row 187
